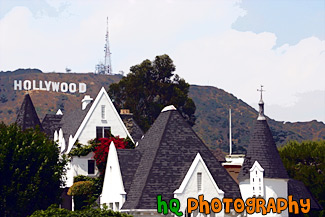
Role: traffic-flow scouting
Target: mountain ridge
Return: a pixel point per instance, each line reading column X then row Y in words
column 211, row 102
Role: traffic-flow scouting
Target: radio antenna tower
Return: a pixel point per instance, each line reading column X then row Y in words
column 108, row 63
column 105, row 68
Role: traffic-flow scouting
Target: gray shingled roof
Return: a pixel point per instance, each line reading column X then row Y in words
column 132, row 127
column 71, row 122
column 299, row 191
column 262, row 148
column 27, row 116
column 167, row 152
column 129, row 161
column 50, row 123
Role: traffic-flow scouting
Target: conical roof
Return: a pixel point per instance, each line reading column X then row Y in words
column 167, row 152
column 262, row 148
column 27, row 116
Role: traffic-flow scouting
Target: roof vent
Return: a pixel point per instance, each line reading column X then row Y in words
column 85, row 101
column 168, row 108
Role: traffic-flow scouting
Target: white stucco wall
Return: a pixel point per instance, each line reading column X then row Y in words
column 79, row 166
column 272, row 188
column 111, row 120
column 209, row 189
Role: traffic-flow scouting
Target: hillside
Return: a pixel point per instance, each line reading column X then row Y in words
column 212, row 108
column 212, row 112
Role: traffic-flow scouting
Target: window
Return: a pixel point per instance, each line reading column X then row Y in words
column 91, row 167
column 103, row 132
column 199, row 181
column 110, row 206
column 117, row 206
column 103, row 112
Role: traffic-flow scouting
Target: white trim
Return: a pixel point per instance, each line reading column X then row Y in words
column 90, row 112
column 189, row 173
column 168, row 108
column 113, row 186
column 259, row 167
column 59, row 112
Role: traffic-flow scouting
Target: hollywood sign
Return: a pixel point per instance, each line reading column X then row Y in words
column 50, row 86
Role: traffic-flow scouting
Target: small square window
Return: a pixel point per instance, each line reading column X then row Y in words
column 103, row 132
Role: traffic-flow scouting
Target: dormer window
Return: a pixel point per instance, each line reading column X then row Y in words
column 256, row 173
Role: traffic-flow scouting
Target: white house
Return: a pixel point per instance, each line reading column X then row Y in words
column 95, row 119
column 170, row 161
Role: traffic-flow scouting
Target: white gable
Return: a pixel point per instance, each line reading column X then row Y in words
column 257, row 179
column 59, row 112
column 198, row 180
column 113, row 194
column 102, row 113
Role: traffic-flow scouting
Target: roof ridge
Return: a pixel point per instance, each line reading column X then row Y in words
column 138, row 191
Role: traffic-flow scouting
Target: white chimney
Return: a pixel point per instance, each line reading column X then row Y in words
column 85, row 101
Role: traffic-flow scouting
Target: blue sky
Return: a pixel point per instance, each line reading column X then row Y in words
column 290, row 20
column 230, row 44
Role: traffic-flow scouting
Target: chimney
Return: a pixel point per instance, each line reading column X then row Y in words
column 85, row 101
column 125, row 111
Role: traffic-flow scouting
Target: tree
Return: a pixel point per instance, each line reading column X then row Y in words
column 89, row 212
column 306, row 162
column 149, row 87
column 31, row 171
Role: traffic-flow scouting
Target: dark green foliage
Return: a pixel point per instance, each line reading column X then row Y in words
column 31, row 171
column 306, row 162
column 149, row 87
column 97, row 183
column 89, row 212
column 82, row 192
column 82, row 150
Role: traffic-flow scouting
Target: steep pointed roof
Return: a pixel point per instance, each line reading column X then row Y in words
column 262, row 148
column 167, row 152
column 27, row 116
column 299, row 191
column 51, row 123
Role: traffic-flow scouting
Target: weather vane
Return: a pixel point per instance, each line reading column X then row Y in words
column 261, row 90
column 261, row 106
